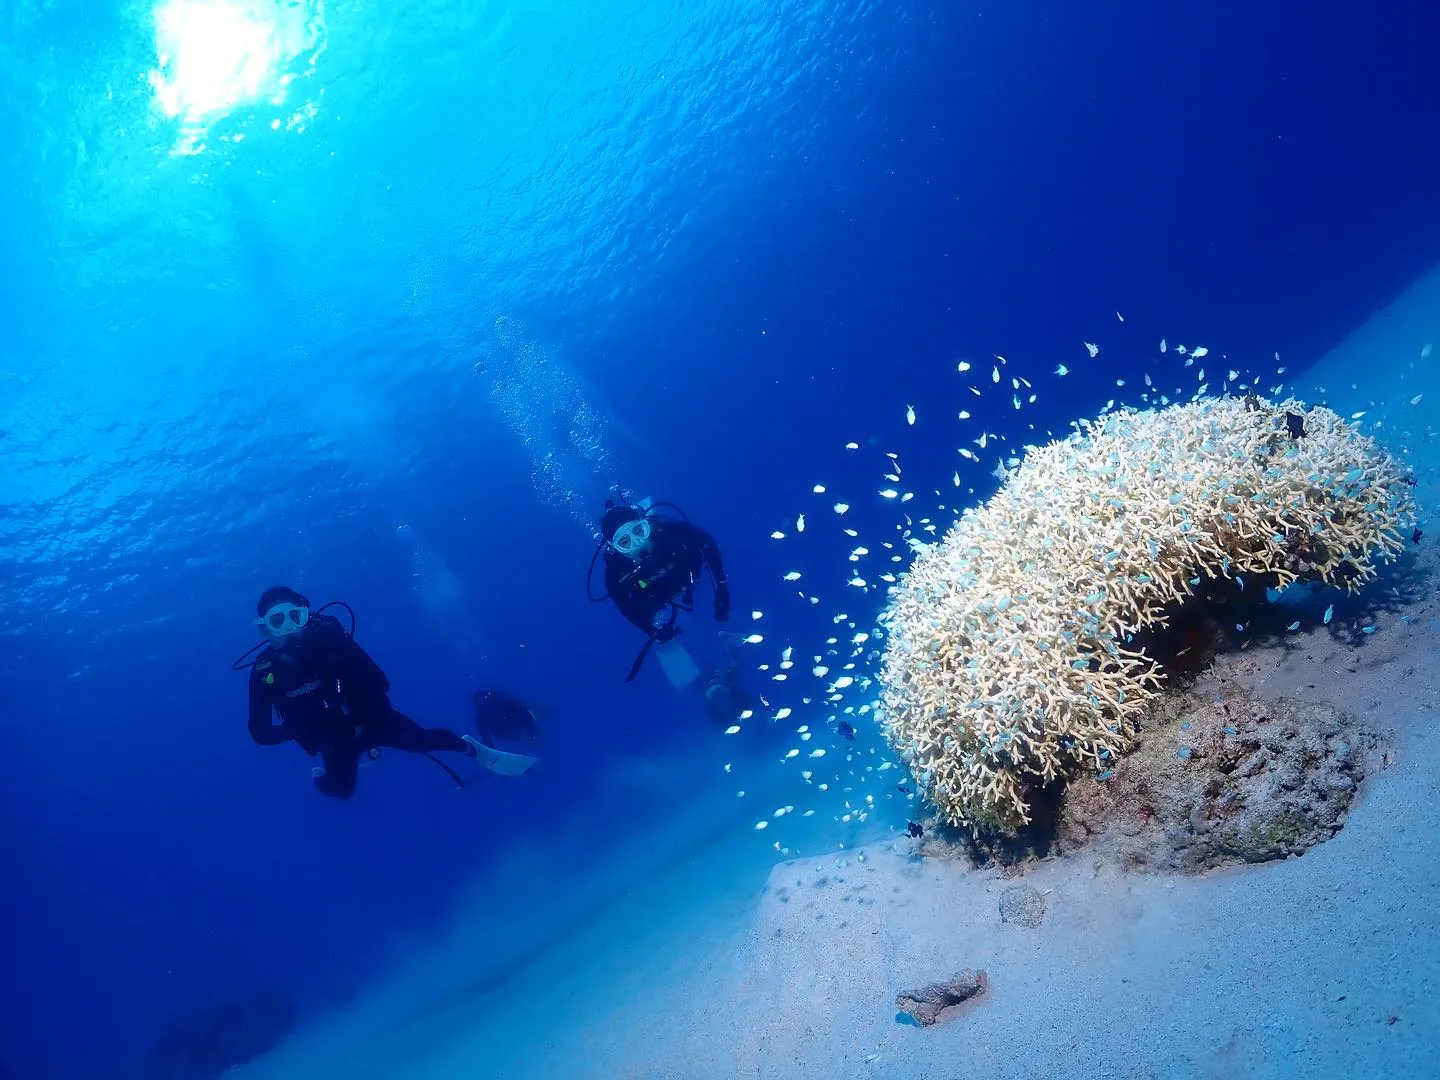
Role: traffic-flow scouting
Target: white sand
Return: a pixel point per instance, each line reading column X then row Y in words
column 686, row 962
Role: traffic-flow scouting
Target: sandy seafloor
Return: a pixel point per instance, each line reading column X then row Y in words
column 695, row 955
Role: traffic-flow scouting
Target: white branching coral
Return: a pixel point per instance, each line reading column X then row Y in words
column 1010, row 659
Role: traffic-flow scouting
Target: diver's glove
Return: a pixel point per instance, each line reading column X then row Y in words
column 722, row 604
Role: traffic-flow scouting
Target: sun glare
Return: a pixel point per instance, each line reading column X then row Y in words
column 216, row 56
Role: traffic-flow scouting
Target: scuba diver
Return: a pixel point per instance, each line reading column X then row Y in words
column 652, row 565
column 333, row 699
column 500, row 715
column 726, row 699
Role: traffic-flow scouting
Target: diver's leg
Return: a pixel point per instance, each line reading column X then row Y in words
column 342, row 767
column 399, row 732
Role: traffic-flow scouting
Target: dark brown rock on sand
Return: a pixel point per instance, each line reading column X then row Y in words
column 930, row 1003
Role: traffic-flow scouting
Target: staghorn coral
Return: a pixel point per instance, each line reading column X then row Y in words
column 1010, row 660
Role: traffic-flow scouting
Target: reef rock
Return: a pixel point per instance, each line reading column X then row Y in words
column 1219, row 778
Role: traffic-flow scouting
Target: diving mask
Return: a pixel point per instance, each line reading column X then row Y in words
column 632, row 538
column 285, row 619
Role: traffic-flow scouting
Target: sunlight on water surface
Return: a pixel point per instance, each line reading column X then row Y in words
column 214, row 57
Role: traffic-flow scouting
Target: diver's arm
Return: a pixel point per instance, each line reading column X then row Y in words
column 361, row 679
column 262, row 729
column 710, row 551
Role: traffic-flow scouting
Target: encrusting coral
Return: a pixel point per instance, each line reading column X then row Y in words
column 1010, row 658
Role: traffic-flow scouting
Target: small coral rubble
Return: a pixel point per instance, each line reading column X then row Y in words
column 1023, row 905
column 929, row 1003
column 1012, row 661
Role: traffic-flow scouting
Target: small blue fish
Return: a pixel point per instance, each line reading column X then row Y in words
column 1329, row 614
column 1294, row 625
column 1367, row 629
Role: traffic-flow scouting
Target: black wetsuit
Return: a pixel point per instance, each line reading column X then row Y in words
column 665, row 574
column 333, row 700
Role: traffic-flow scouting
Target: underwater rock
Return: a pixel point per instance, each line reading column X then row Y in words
column 1008, row 853
column 928, row 1004
column 941, row 840
column 204, row 1044
column 1022, row 904
column 1220, row 779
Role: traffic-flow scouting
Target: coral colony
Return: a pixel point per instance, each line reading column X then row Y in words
column 1011, row 657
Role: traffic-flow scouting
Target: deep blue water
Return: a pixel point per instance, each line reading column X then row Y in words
column 499, row 257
